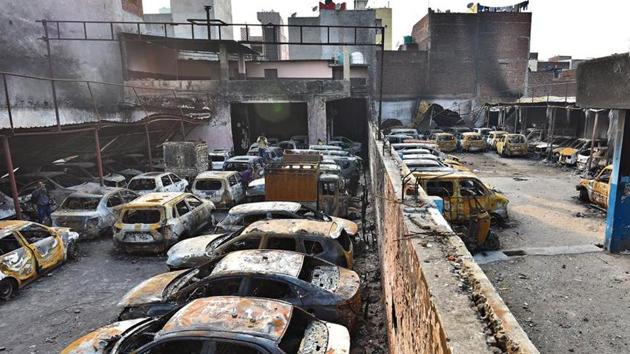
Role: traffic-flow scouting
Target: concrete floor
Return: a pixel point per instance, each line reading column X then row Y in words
column 569, row 295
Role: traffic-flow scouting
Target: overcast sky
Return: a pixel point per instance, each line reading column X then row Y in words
column 581, row 28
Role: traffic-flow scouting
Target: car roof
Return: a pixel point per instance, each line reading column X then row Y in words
column 252, row 208
column 295, row 226
column 151, row 174
column 260, row 261
column 215, row 174
column 156, row 199
column 257, row 317
column 470, row 133
column 8, row 226
column 93, row 190
column 443, row 134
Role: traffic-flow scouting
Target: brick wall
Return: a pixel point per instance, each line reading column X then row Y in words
column 545, row 83
column 405, row 74
column 470, row 55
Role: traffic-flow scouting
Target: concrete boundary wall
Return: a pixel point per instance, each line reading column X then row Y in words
column 436, row 298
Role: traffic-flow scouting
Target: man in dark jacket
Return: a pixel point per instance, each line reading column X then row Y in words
column 42, row 201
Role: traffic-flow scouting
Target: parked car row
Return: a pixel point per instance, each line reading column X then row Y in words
column 281, row 281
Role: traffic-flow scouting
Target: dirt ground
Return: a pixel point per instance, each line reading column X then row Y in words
column 569, row 295
column 81, row 296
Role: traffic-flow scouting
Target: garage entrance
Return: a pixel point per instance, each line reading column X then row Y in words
column 348, row 117
column 275, row 120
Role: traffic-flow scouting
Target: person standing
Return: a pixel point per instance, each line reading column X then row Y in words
column 42, row 201
column 262, row 146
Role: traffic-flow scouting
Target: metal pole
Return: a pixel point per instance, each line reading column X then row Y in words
column 9, row 162
column 380, row 101
column 148, row 137
column 181, row 113
column 99, row 159
column 51, row 74
column 553, row 124
column 6, row 96
column 590, row 159
column 207, row 8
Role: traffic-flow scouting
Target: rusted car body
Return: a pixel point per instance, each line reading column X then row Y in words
column 256, row 190
column 223, row 188
column 245, row 214
column 28, row 250
column 445, row 141
column 156, row 221
column 596, row 190
column 92, row 211
column 494, row 137
column 472, row 142
column 329, row 292
column 229, row 323
column 325, row 240
column 333, row 196
column 512, row 145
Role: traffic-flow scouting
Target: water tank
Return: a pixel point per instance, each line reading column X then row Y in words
column 357, row 58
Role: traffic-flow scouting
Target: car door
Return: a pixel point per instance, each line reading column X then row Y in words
column 236, row 188
column 167, row 184
column 114, row 201
column 473, row 195
column 601, row 187
column 46, row 245
column 17, row 259
column 277, row 289
column 444, row 190
column 184, row 217
column 179, row 185
column 199, row 215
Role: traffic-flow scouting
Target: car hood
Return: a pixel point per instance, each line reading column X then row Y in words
column 97, row 342
column 338, row 339
column 349, row 226
column 568, row 151
column 349, row 284
column 150, row 290
column 189, row 252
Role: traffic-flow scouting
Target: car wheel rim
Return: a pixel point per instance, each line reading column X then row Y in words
column 5, row 290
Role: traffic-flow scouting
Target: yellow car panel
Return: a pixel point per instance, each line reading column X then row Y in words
column 596, row 190
column 512, row 145
column 472, row 142
column 446, row 142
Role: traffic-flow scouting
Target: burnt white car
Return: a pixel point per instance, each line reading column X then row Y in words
column 223, row 188
column 91, row 211
column 155, row 182
column 245, row 214
column 155, row 221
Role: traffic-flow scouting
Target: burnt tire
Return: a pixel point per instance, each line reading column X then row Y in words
column 8, row 287
column 73, row 251
column 584, row 195
column 492, row 242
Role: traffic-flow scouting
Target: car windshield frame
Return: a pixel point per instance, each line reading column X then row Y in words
column 76, row 203
column 134, row 181
column 145, row 219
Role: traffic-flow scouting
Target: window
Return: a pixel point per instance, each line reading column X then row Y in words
column 9, row 244
column 222, row 287
column 114, row 200
column 272, row 289
column 313, row 247
column 248, row 243
column 471, row 188
column 166, row 181
column 251, row 218
column 142, row 216
column 193, row 202
column 233, row 348
column 182, row 208
column 271, row 74
column 604, row 176
column 128, row 196
column 440, row 189
column 208, row 185
column 175, row 178
column 328, row 188
column 233, row 180
column 182, row 346
column 34, row 233
column 281, row 243
column 67, row 180
column 217, row 158
column 80, row 203
column 142, row 184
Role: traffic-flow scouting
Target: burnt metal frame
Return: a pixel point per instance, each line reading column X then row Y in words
column 209, row 23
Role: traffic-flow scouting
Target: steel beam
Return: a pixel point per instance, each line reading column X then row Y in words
column 9, row 163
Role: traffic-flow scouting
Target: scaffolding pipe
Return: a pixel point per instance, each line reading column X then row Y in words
column 590, row 158
column 99, row 159
column 9, row 162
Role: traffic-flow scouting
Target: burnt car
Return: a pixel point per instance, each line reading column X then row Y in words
column 221, row 324
column 245, row 214
column 325, row 240
column 329, row 292
column 28, row 250
column 156, row 221
column 92, row 211
column 58, row 184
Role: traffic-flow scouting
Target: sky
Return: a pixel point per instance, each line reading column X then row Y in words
column 581, row 28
